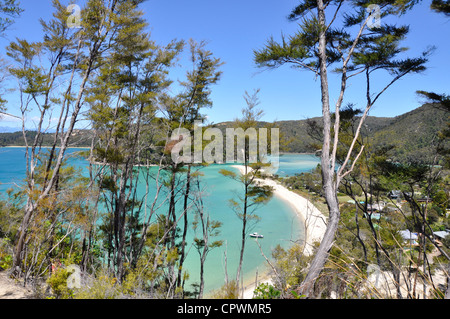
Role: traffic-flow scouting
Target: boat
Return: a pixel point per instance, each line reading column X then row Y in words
column 256, row 235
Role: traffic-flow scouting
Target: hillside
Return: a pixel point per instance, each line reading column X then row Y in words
column 412, row 134
column 80, row 138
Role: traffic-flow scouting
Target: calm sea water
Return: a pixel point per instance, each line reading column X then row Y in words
column 278, row 222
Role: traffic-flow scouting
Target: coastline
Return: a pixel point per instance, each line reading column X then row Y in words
column 305, row 212
column 311, row 217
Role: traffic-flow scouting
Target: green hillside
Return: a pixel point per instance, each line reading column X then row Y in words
column 413, row 134
column 80, row 138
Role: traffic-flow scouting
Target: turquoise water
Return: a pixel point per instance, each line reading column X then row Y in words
column 278, row 222
column 291, row 164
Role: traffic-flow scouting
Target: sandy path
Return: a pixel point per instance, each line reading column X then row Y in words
column 10, row 290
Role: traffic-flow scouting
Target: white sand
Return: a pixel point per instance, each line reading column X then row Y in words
column 313, row 220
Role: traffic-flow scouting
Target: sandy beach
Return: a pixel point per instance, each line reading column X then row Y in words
column 309, row 215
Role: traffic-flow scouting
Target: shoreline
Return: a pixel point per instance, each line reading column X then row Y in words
column 311, row 219
column 309, row 216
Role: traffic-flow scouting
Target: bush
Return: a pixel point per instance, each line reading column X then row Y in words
column 101, row 287
column 228, row 291
column 266, row 291
column 58, row 284
column 5, row 254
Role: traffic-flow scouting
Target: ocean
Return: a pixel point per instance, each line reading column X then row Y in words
column 278, row 222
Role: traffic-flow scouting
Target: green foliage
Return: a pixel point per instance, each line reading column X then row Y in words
column 58, row 284
column 6, row 249
column 415, row 134
column 266, row 291
column 290, row 265
column 80, row 138
column 311, row 181
column 441, row 6
column 228, row 291
column 10, row 217
column 9, row 9
column 441, row 199
column 103, row 286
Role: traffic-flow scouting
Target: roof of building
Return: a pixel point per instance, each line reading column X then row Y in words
column 406, row 234
column 441, row 234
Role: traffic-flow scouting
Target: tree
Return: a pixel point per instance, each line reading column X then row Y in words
column 358, row 47
column 254, row 192
column 182, row 118
column 441, row 6
column 72, row 56
column 123, row 99
column 208, row 230
column 9, row 9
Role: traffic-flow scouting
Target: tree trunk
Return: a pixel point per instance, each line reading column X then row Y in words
column 447, row 293
column 30, row 207
column 202, row 267
column 23, row 230
column 244, row 221
column 185, row 209
column 322, row 253
column 328, row 174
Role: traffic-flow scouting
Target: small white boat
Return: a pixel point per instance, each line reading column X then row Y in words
column 256, row 235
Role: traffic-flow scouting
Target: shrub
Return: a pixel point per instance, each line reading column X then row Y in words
column 266, row 291
column 58, row 284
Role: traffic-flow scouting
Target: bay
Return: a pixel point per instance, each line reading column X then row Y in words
column 278, row 222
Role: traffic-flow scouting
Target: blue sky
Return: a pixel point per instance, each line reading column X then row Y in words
column 234, row 29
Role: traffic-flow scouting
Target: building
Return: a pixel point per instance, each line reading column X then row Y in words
column 409, row 237
column 394, row 194
column 441, row 234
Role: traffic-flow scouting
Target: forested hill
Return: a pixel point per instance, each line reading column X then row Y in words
column 79, row 138
column 412, row 134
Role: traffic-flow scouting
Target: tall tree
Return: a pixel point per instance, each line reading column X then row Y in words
column 72, row 55
column 209, row 229
column 183, row 112
column 358, row 46
column 123, row 101
column 254, row 193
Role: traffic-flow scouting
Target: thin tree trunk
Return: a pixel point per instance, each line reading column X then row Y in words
column 447, row 293
column 329, row 188
column 183, row 241
column 30, row 207
column 244, row 220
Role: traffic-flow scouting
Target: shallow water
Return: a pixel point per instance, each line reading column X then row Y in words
column 278, row 222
